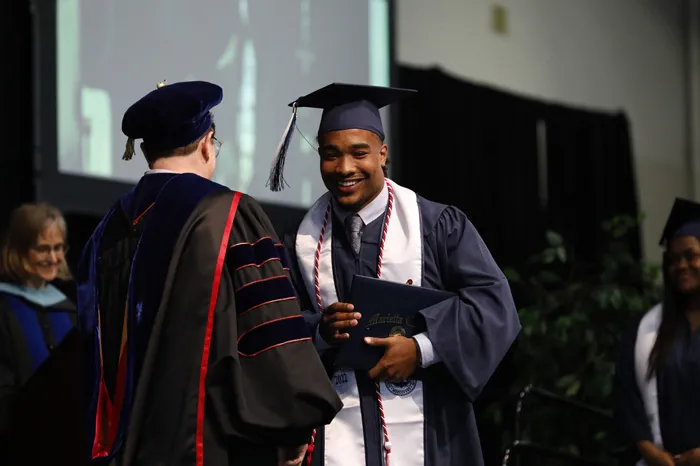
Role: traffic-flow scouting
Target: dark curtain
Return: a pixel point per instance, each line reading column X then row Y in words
column 590, row 177
column 16, row 124
column 480, row 149
column 475, row 148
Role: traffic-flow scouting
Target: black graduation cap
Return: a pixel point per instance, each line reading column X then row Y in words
column 171, row 116
column 345, row 106
column 684, row 220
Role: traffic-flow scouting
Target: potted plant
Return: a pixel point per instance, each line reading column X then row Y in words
column 572, row 314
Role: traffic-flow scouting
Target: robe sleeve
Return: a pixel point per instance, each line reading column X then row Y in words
column 630, row 419
column 470, row 333
column 311, row 314
column 267, row 382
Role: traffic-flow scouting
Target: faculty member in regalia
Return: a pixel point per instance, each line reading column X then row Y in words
column 197, row 351
column 35, row 316
column 367, row 224
column 657, row 382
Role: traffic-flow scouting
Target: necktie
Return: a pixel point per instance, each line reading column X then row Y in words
column 353, row 225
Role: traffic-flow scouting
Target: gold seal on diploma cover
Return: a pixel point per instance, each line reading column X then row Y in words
column 397, row 332
column 163, row 83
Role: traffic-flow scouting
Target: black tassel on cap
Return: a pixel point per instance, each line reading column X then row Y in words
column 276, row 180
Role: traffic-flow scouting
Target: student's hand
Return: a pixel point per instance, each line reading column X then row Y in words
column 659, row 458
column 689, row 458
column 291, row 456
column 337, row 319
column 400, row 358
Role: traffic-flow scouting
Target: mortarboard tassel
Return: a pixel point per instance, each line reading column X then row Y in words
column 276, row 180
column 129, row 149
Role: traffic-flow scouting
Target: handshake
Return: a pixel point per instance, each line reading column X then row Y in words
column 291, row 456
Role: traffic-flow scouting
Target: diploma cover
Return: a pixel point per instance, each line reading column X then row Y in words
column 388, row 308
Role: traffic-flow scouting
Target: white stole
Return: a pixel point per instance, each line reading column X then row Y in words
column 646, row 337
column 403, row 402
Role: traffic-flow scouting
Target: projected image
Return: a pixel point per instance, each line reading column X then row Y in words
column 264, row 53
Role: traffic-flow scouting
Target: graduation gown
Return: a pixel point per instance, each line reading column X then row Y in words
column 197, row 351
column 666, row 409
column 32, row 323
column 471, row 333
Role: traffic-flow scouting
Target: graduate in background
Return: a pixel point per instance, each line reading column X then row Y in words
column 34, row 315
column 657, row 382
column 369, row 225
column 197, row 351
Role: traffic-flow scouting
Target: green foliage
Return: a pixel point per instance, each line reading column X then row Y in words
column 572, row 314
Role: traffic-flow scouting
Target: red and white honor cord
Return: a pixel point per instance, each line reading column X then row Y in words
column 317, row 284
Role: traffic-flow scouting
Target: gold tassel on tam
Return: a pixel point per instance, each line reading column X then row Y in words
column 129, row 149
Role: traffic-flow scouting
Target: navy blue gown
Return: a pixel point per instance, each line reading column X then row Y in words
column 471, row 332
column 678, row 386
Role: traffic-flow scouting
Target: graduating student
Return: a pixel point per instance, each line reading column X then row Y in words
column 657, row 399
column 368, row 225
column 197, row 351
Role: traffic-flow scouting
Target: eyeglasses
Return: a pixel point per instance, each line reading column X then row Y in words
column 46, row 249
column 217, row 145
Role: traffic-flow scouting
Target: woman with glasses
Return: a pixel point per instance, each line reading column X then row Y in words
column 34, row 315
column 658, row 374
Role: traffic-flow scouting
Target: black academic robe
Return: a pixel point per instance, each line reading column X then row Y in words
column 30, row 329
column 678, row 392
column 471, row 333
column 197, row 352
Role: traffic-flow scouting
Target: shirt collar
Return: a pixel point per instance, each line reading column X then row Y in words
column 368, row 213
column 158, row 170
